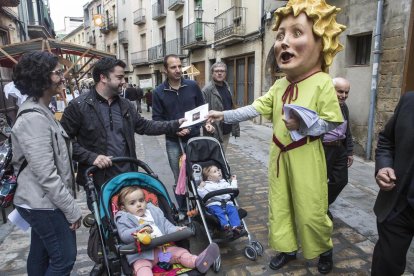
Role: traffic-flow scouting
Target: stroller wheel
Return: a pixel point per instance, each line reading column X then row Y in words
column 217, row 265
column 250, row 252
column 258, row 246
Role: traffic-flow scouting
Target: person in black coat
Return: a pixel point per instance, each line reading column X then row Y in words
column 394, row 174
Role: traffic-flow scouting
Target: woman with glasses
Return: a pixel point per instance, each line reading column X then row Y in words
column 43, row 165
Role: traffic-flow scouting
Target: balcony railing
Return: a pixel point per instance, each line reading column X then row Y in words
column 158, row 11
column 123, row 37
column 156, row 53
column 174, row 5
column 92, row 40
column 194, row 35
column 174, row 47
column 140, row 57
column 109, row 25
column 139, row 17
column 231, row 24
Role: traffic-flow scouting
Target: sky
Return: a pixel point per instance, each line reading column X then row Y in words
column 61, row 8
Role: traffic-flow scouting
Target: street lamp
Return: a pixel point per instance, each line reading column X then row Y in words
column 198, row 11
column 98, row 20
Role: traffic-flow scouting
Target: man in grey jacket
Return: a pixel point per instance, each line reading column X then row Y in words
column 218, row 96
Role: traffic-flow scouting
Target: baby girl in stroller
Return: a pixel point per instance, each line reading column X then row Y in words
column 221, row 206
column 136, row 215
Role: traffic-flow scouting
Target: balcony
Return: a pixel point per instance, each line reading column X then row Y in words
column 92, row 40
column 123, row 37
column 9, row 3
column 109, row 25
column 157, row 53
column 158, row 11
column 139, row 17
column 230, row 26
column 194, row 36
column 174, row 5
column 139, row 58
column 40, row 24
column 174, row 47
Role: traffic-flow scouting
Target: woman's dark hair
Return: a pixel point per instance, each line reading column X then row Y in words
column 32, row 74
column 104, row 66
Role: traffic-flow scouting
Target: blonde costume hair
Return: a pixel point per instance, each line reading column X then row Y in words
column 324, row 24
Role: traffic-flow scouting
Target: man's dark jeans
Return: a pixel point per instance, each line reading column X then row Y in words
column 53, row 243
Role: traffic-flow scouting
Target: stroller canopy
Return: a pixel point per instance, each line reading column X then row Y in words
column 143, row 180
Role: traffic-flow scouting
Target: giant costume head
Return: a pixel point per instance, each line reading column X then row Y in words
column 324, row 24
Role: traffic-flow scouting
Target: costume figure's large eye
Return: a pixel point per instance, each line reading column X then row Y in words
column 280, row 36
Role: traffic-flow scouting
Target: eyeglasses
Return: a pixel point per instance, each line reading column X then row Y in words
column 219, row 71
column 58, row 72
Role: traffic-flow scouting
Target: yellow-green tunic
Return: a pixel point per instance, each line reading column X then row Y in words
column 298, row 197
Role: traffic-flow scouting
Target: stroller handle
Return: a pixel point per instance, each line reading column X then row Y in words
column 139, row 163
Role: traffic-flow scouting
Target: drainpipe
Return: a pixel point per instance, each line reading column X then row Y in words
column 374, row 77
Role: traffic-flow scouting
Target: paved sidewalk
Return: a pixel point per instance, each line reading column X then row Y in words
column 354, row 223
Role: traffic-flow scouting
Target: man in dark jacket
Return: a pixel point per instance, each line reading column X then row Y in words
column 339, row 146
column 218, row 96
column 102, row 124
column 394, row 174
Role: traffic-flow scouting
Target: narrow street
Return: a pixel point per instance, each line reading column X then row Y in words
column 354, row 222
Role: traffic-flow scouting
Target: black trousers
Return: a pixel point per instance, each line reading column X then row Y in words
column 337, row 168
column 395, row 236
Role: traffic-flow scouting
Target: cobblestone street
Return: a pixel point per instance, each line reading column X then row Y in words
column 352, row 247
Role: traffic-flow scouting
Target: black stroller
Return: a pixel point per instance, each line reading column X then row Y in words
column 113, row 253
column 202, row 152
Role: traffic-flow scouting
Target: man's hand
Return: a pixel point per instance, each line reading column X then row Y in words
column 76, row 224
column 350, row 160
column 103, row 161
column 209, row 127
column 293, row 123
column 386, row 179
column 214, row 116
column 183, row 132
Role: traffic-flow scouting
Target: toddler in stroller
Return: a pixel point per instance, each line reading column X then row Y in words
column 136, row 215
column 221, row 206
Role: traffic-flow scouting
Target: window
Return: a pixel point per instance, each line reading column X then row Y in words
column 99, row 9
column 4, row 37
column 240, row 76
column 359, row 50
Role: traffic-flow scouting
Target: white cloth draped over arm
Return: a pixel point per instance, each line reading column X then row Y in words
column 318, row 128
column 240, row 114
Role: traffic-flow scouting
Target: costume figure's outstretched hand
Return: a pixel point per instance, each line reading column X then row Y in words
column 215, row 116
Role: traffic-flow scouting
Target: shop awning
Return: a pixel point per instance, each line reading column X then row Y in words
column 190, row 71
column 10, row 54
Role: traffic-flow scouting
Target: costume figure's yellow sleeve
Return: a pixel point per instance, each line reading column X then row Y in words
column 327, row 105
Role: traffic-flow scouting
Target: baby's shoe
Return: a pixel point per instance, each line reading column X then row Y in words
column 239, row 230
column 228, row 232
column 207, row 257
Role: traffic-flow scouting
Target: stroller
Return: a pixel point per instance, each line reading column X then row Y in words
column 112, row 251
column 202, row 152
